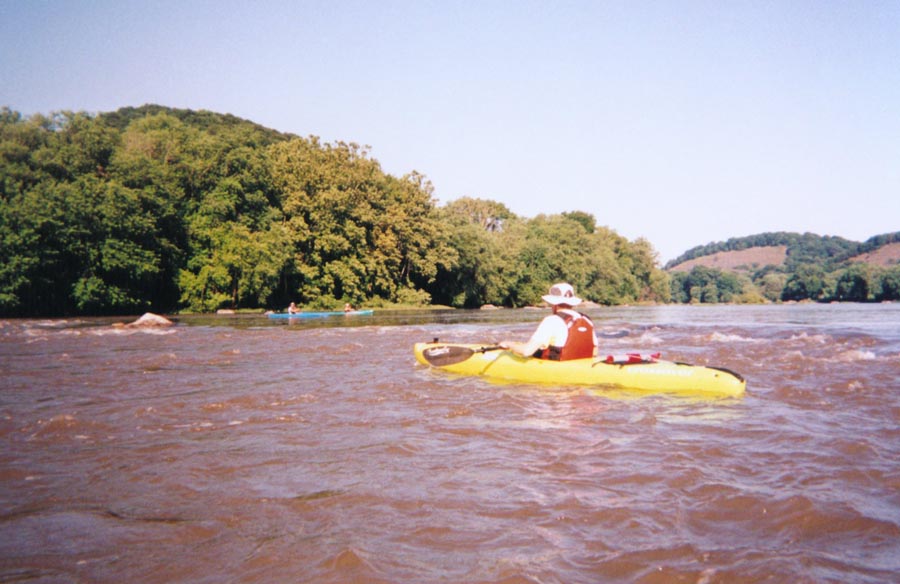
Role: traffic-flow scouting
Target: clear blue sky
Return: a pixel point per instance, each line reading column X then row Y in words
column 684, row 122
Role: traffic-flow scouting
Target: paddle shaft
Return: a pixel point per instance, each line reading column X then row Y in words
column 442, row 355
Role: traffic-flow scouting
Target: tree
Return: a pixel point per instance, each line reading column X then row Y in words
column 479, row 274
column 771, row 285
column 890, row 285
column 242, row 269
column 853, row 284
column 160, row 208
column 706, row 285
column 653, row 282
column 355, row 233
column 238, row 247
column 807, row 283
column 603, row 266
column 488, row 215
column 680, row 287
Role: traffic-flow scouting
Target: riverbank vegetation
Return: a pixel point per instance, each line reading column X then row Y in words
column 160, row 209
column 814, row 268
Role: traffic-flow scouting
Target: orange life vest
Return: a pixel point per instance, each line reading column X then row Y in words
column 579, row 342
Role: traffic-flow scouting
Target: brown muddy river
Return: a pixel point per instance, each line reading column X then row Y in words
column 239, row 449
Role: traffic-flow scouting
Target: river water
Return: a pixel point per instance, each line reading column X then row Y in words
column 239, row 449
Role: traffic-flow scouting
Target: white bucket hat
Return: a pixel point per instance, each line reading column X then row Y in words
column 562, row 293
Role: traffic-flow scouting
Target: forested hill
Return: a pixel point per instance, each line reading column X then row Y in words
column 154, row 208
column 210, row 122
column 805, row 248
column 782, row 266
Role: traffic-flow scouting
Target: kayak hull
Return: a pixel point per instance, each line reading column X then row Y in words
column 655, row 377
column 307, row 314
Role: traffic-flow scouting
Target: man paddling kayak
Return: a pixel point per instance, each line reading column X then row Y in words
column 565, row 334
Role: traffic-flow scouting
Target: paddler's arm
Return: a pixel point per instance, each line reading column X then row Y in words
column 539, row 340
column 524, row 349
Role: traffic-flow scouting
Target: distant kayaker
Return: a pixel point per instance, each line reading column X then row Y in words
column 292, row 309
column 565, row 334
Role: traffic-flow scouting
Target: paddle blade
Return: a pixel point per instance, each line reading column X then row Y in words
column 442, row 355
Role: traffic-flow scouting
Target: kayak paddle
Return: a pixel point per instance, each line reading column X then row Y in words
column 443, row 355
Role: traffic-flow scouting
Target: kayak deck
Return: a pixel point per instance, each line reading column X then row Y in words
column 654, row 377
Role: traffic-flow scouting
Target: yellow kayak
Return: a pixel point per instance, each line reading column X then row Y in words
column 654, row 376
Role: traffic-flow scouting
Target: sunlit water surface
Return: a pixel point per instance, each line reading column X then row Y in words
column 238, row 449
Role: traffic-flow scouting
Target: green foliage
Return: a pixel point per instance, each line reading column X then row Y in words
column 355, row 233
column 771, row 285
column 816, row 268
column 488, row 215
column 476, row 231
column 515, row 265
column 803, row 248
column 165, row 209
column 877, row 241
column 853, row 284
column 807, row 283
column 75, row 239
column 704, row 285
column 889, row 286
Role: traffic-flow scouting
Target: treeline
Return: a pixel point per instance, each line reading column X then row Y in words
column 161, row 209
column 802, row 248
column 816, row 268
column 857, row 282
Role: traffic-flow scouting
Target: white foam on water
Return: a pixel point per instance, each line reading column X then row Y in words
column 856, row 355
column 718, row 337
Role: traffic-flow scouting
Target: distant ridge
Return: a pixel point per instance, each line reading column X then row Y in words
column 789, row 250
column 886, row 255
column 745, row 259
